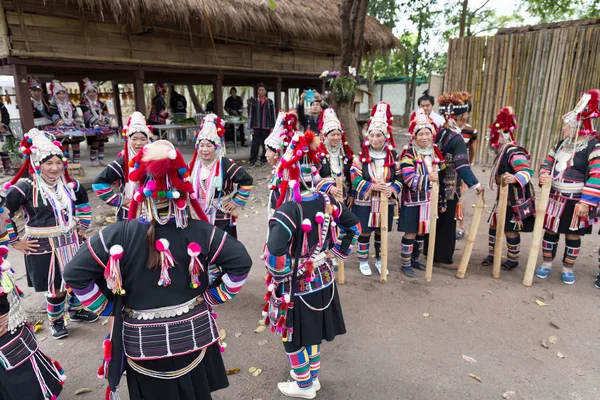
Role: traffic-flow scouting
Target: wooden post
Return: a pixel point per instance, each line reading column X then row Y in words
column 341, row 274
column 538, row 232
column 383, row 226
column 278, row 105
column 218, row 89
column 138, row 92
column 433, row 214
column 323, row 86
column 500, row 223
column 117, row 102
column 287, row 99
column 471, row 237
column 23, row 97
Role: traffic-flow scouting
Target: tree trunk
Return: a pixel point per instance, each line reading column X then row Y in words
column 371, row 80
column 463, row 18
column 194, row 98
column 412, row 73
column 353, row 14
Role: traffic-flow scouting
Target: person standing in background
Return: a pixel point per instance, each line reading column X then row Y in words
column 178, row 104
column 262, row 120
column 158, row 113
column 234, row 106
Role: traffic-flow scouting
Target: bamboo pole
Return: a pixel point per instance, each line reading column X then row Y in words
column 538, row 232
column 383, row 226
column 341, row 273
column 500, row 223
column 471, row 237
column 433, row 214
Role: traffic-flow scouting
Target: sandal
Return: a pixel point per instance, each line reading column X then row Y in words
column 487, row 261
column 509, row 265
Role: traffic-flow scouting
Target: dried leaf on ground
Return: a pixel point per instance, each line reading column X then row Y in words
column 222, row 334
column 82, row 391
column 238, row 334
column 259, row 329
column 104, row 322
column 232, row 371
column 552, row 324
column 251, row 369
column 224, row 345
column 553, row 339
column 478, row 379
column 426, row 315
column 257, row 372
column 560, row 355
column 511, row 394
column 469, row 359
column 263, row 342
column 37, row 328
column 541, row 303
column 261, row 322
column 544, row 344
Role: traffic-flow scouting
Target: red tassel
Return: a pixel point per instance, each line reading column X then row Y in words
column 267, row 296
column 267, row 321
column 107, row 350
column 281, row 322
column 100, row 373
column 107, row 394
column 266, row 307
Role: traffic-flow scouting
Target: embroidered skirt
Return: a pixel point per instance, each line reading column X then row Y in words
column 414, row 219
column 207, row 377
column 559, row 216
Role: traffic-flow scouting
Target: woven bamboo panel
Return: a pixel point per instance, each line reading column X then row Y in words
column 540, row 74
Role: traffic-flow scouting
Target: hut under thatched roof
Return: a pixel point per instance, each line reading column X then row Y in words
column 218, row 42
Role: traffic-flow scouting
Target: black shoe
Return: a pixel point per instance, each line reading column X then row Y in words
column 251, row 165
column 408, row 271
column 83, row 315
column 417, row 265
column 59, row 330
column 598, row 281
column 263, row 163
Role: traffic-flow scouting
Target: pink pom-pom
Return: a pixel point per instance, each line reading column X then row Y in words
column 314, row 169
column 306, row 225
column 151, row 185
column 181, row 204
column 172, row 154
column 57, row 143
column 193, row 196
column 293, row 184
column 319, row 218
column 194, row 249
column 298, row 153
column 162, row 245
column 7, row 185
column 71, row 185
column 222, row 349
column 6, row 265
column 3, row 251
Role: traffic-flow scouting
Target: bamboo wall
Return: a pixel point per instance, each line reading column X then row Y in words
column 48, row 30
column 540, row 74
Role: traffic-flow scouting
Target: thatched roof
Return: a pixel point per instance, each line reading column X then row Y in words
column 297, row 19
column 580, row 23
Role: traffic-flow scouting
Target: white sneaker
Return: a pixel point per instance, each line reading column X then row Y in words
column 365, row 269
column 291, row 389
column 378, row 266
column 316, row 384
column 334, row 262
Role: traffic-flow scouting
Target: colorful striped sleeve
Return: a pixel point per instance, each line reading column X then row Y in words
column 523, row 171
column 591, row 190
column 227, row 290
column 238, row 175
column 410, row 174
column 548, row 162
column 92, row 298
column 349, row 231
column 363, row 187
column 103, row 184
column 325, row 184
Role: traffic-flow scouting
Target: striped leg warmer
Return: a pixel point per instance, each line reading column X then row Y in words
column 93, row 154
column 549, row 248
column 571, row 252
column 514, row 249
column 74, row 303
column 301, row 366
column 377, row 245
column 101, row 152
column 418, row 246
column 55, row 307
column 406, row 252
column 76, row 156
column 314, row 355
column 363, row 248
column 491, row 242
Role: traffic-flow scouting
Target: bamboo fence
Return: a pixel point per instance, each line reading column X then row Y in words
column 541, row 74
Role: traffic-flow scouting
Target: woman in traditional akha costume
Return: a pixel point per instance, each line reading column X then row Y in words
column 452, row 146
column 573, row 167
column 25, row 371
column 422, row 164
column 469, row 135
column 136, row 135
column 164, row 335
column 95, row 115
column 303, row 304
column 57, row 213
column 214, row 177
column 511, row 165
column 375, row 171
column 65, row 117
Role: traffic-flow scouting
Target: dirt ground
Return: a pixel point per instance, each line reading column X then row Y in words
column 406, row 339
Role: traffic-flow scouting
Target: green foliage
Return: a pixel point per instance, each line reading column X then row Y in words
column 384, row 11
column 477, row 21
column 562, row 10
column 343, row 87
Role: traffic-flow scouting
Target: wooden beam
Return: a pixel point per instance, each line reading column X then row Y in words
column 278, row 94
column 117, row 102
column 4, row 29
column 218, row 89
column 138, row 92
column 19, row 10
column 23, row 97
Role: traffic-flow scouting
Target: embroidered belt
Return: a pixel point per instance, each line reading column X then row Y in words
column 165, row 312
column 169, row 336
column 363, row 202
column 19, row 349
column 45, row 231
column 568, row 188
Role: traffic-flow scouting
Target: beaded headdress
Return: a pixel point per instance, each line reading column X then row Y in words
column 212, row 129
column 585, row 111
column 381, row 120
column 501, row 131
column 89, row 86
column 282, row 133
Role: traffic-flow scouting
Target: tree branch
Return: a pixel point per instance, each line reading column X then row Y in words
column 479, row 9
